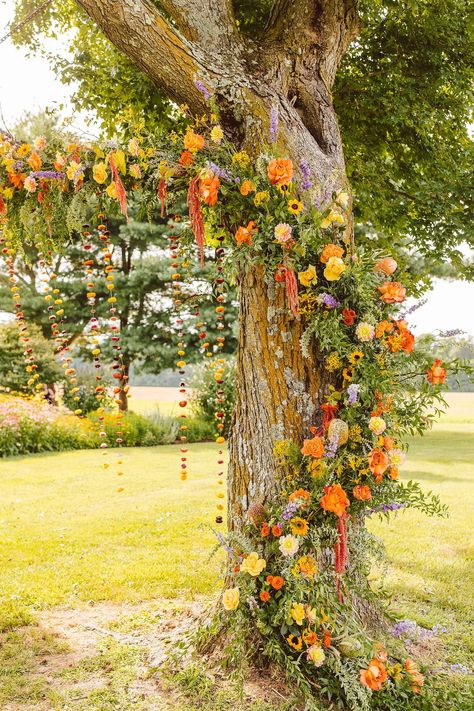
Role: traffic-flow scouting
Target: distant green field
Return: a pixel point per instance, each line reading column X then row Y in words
column 69, row 537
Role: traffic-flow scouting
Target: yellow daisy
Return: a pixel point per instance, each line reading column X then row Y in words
column 355, row 357
column 295, row 206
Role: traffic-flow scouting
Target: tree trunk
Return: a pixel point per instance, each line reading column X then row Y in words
column 122, row 384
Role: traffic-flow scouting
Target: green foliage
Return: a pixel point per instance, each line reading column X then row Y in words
column 13, row 374
column 85, row 399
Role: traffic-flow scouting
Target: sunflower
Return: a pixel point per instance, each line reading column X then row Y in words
column 348, row 373
column 295, row 642
column 295, row 206
column 355, row 357
column 299, row 526
column 283, row 188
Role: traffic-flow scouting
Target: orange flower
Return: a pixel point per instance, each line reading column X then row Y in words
column 244, row 234
column 264, row 596
column 386, row 265
column 362, row 493
column 186, row 158
column 383, row 327
column 388, row 443
column 34, row 161
column 393, row 473
column 247, row 187
column 208, row 188
column 308, row 566
column 331, row 250
column 310, row 637
column 277, row 531
column 416, row 678
column 193, row 141
column 280, row 171
column 313, row 447
column 374, row 676
column 436, row 374
column 392, row 292
column 300, row 494
column 17, row 179
column 378, row 463
column 327, row 639
column 265, row 530
column 335, row 499
column 277, row 582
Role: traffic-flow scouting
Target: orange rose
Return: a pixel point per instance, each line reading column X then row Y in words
column 313, row 447
column 264, row 596
column 393, row 473
column 386, row 265
column 277, row 582
column 280, row 171
column 331, row 250
column 378, row 463
column 186, row 158
column 436, row 374
column 244, row 234
column 193, row 141
column 208, row 189
column 335, row 499
column 247, row 187
column 392, row 292
column 300, row 494
column 388, row 443
column 362, row 493
column 374, row 676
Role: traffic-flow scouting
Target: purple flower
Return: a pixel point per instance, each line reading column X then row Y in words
column 220, row 172
column 331, row 448
column 459, row 668
column 51, row 174
column 384, row 508
column 413, row 308
column 328, row 300
column 18, row 164
column 289, row 511
column 273, row 124
column 200, row 86
column 451, row 332
column 353, row 393
column 306, row 183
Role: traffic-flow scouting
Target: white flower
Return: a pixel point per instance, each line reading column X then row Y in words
column 316, row 655
column 397, row 457
column 288, row 545
column 365, row 331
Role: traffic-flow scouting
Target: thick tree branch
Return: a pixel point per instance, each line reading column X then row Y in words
column 209, row 22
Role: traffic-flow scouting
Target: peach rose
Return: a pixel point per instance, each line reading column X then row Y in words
column 436, row 374
column 335, row 499
column 378, row 463
column 280, row 171
column 386, row 265
column 362, row 493
column 392, row 292
column 313, row 447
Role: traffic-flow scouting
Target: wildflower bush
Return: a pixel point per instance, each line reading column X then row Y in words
column 297, row 571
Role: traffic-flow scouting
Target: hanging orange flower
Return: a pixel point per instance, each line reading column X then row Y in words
column 392, row 292
column 374, row 676
column 415, row 677
column 436, row 374
column 362, row 493
column 313, row 447
column 378, row 463
column 244, row 234
column 335, row 499
column 280, row 171
column 208, row 188
column 331, row 250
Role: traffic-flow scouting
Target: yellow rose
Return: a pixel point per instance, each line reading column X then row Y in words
column 334, row 268
column 217, row 134
column 252, row 564
column 99, row 172
column 308, row 276
column 297, row 613
column 377, row 425
column 231, row 598
column 316, row 655
column 73, row 170
column 111, row 190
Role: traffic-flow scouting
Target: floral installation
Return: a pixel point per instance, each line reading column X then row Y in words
column 296, row 570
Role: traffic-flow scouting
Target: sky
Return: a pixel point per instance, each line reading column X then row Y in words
column 28, row 84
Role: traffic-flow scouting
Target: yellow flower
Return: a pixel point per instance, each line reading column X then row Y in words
column 135, row 171
column 334, row 268
column 134, row 147
column 334, row 217
column 308, row 276
column 365, row 331
column 355, row 433
column 297, row 613
column 299, row 526
column 73, row 169
column 99, row 172
column 252, row 564
column 217, row 134
column 316, row 655
column 317, row 468
column 342, row 199
column 119, row 157
column 242, row 159
column 307, row 566
column 111, row 190
column 333, row 362
column 261, row 197
column 295, row 206
column 288, row 545
column 23, row 150
column 377, row 425
column 231, row 598
column 295, row 642
column 355, row 357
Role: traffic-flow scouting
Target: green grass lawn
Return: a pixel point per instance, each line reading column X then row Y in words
column 70, row 539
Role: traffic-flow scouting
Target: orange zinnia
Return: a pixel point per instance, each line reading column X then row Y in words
column 374, row 676
column 208, row 188
column 392, row 292
column 378, row 462
column 244, row 234
column 335, row 499
column 331, row 250
column 264, row 596
column 280, row 171
column 313, row 447
column 362, row 493
column 436, row 374
column 277, row 582
column 277, row 530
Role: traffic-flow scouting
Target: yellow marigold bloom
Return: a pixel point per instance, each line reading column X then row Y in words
column 295, row 206
column 252, row 564
column 355, row 433
column 299, row 526
column 308, row 276
column 335, row 267
column 333, row 362
column 111, row 190
column 231, row 598
column 217, row 134
column 99, row 173
column 261, row 197
column 297, row 613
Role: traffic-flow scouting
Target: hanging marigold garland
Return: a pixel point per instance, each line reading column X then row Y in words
column 219, row 287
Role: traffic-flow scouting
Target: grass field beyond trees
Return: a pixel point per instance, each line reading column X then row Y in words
column 72, row 541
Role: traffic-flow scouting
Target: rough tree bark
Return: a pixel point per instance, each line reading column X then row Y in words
column 292, row 68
